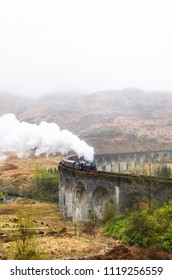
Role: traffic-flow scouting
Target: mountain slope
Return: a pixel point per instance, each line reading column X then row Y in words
column 109, row 120
column 10, row 103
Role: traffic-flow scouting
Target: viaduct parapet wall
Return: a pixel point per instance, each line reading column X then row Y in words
column 124, row 161
column 82, row 193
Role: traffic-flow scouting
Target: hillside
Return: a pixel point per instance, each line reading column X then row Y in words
column 61, row 239
column 10, row 103
column 111, row 121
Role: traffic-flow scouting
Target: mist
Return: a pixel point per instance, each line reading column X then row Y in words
column 84, row 46
column 22, row 138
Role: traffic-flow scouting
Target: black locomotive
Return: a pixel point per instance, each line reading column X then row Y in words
column 74, row 162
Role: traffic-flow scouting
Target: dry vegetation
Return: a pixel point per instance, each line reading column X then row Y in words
column 20, row 170
column 58, row 238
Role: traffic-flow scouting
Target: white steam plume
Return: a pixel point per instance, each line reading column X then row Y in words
column 22, row 137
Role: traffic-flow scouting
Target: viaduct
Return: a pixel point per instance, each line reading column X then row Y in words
column 82, row 193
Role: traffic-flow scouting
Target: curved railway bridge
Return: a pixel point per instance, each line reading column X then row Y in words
column 82, row 193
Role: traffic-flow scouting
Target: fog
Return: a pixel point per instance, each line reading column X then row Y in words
column 24, row 138
column 84, row 45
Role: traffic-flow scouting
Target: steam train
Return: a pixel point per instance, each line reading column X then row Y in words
column 81, row 164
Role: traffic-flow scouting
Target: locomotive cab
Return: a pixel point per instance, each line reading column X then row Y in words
column 88, row 166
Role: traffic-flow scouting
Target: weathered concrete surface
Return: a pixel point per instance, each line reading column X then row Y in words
column 82, row 193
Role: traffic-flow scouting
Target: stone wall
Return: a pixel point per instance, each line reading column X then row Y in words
column 119, row 162
column 82, row 193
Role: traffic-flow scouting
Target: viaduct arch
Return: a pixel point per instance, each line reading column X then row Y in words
column 82, row 193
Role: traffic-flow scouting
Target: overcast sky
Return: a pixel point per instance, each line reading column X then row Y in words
column 85, row 45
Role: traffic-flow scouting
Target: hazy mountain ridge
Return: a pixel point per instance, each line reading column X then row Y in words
column 10, row 103
column 106, row 118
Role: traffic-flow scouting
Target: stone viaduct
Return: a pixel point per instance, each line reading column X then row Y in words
column 123, row 161
column 81, row 193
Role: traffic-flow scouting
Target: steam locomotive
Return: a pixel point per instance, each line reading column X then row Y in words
column 81, row 164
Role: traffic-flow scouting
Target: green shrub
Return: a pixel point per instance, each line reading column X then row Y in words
column 24, row 245
column 140, row 230
column 1, row 196
column 165, row 241
column 12, row 190
column 163, row 171
column 110, row 210
column 45, row 185
column 115, row 227
column 143, row 229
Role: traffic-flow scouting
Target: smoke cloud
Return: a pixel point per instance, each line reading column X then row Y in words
column 45, row 138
